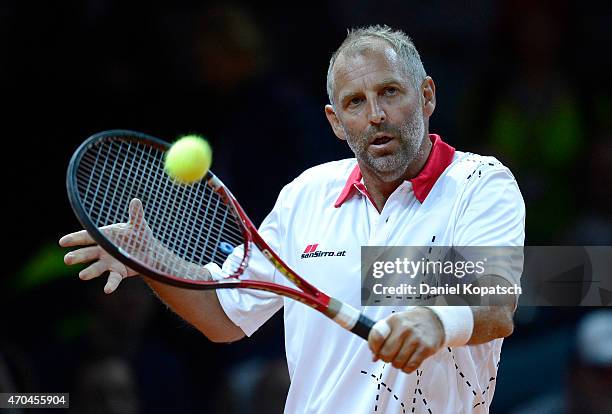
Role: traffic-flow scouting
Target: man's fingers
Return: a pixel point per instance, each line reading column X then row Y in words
column 405, row 353
column 93, row 271
column 86, row 254
column 136, row 213
column 417, row 359
column 379, row 333
column 78, row 238
column 112, row 283
column 393, row 344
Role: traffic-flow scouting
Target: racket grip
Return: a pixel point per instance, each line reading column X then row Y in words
column 363, row 326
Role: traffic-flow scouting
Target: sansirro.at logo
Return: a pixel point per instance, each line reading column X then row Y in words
column 311, row 251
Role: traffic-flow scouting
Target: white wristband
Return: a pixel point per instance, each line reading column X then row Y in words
column 215, row 271
column 458, row 323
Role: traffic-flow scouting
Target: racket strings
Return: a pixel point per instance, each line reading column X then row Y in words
column 180, row 228
column 207, row 218
column 181, row 222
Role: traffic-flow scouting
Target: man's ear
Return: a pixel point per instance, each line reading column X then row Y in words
column 429, row 96
column 334, row 122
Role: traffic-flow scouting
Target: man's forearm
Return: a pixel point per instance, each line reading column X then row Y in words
column 201, row 308
column 491, row 322
column 494, row 321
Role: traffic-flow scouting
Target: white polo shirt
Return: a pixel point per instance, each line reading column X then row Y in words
column 458, row 199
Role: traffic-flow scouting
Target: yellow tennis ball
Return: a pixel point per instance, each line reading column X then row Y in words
column 188, row 159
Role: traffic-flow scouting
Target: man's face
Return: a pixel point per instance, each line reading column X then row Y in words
column 378, row 110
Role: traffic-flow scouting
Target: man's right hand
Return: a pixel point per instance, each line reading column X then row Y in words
column 135, row 229
column 201, row 308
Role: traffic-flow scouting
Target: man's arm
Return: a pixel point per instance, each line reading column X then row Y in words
column 496, row 320
column 491, row 322
column 418, row 333
column 201, row 308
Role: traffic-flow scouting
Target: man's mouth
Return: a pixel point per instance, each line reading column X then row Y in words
column 381, row 139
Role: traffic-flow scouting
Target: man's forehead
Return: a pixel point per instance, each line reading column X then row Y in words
column 376, row 56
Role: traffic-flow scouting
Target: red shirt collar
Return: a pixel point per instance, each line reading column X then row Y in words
column 440, row 157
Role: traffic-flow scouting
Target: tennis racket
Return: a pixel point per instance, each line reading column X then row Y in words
column 170, row 231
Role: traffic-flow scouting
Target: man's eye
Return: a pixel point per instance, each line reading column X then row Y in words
column 355, row 101
column 390, row 91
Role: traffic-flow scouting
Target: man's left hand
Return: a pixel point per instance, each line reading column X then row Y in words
column 414, row 335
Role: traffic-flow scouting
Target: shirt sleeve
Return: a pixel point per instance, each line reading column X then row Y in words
column 492, row 215
column 250, row 308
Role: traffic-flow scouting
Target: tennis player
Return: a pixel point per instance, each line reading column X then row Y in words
column 405, row 187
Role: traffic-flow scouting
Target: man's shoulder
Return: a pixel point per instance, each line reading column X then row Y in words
column 472, row 176
column 468, row 165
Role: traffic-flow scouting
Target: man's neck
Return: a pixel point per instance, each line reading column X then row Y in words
column 380, row 189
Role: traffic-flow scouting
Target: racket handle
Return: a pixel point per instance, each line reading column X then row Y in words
column 349, row 318
column 363, row 326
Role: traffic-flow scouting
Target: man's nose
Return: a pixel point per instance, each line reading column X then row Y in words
column 376, row 115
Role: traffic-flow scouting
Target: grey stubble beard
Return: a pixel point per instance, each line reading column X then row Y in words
column 392, row 166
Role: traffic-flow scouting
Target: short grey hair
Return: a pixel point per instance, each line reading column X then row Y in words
column 360, row 39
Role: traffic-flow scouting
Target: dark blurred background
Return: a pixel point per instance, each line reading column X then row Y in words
column 525, row 81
